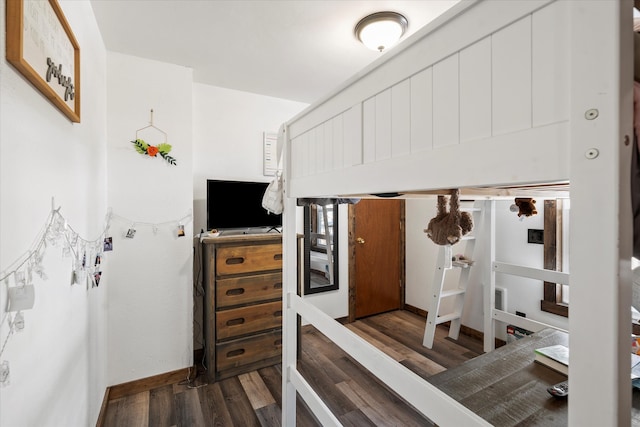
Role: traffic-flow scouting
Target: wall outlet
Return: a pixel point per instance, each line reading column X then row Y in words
column 4, row 373
column 535, row 236
column 521, row 314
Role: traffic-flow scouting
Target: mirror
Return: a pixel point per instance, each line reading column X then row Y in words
column 320, row 248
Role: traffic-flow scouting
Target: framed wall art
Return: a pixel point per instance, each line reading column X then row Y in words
column 41, row 45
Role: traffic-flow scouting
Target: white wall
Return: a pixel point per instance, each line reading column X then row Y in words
column 150, row 294
column 511, row 246
column 228, row 128
column 58, row 362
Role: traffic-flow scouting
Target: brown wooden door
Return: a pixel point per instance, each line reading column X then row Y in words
column 377, row 240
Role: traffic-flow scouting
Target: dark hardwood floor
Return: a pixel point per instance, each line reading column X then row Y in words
column 354, row 396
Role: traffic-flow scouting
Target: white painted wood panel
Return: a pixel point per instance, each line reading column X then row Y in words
column 475, row 91
column 422, row 111
column 295, row 157
column 600, row 76
column 550, row 64
column 315, row 154
column 428, row 46
column 383, row 125
column 511, row 86
column 446, row 104
column 369, row 130
column 489, row 162
column 401, row 119
column 353, row 136
column 338, row 141
column 327, row 145
column 305, row 152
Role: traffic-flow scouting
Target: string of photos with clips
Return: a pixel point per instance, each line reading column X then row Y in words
column 87, row 258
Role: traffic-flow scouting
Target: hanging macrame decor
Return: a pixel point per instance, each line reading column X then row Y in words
column 448, row 227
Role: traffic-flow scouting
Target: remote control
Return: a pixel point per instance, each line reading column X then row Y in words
column 559, row 390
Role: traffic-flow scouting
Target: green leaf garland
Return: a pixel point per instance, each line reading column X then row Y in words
column 152, row 150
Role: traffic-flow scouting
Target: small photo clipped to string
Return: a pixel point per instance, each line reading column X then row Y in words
column 131, row 233
column 180, row 230
column 108, row 244
column 96, row 277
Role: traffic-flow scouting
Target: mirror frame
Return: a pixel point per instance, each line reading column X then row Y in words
column 307, row 252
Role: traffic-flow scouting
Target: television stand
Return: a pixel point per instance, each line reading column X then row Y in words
column 273, row 228
column 242, row 310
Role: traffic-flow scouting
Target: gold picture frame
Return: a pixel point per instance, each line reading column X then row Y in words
column 41, row 45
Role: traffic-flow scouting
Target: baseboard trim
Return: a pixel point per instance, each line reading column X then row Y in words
column 144, row 384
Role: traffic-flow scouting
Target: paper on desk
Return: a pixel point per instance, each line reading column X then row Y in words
column 635, row 366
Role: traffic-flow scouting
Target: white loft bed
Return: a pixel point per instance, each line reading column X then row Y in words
column 492, row 94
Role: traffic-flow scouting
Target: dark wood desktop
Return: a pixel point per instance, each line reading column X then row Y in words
column 507, row 388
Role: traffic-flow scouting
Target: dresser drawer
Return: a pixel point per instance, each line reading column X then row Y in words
column 248, row 259
column 247, row 320
column 248, row 289
column 244, row 351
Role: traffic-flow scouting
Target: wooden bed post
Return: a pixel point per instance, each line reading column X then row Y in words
column 600, row 235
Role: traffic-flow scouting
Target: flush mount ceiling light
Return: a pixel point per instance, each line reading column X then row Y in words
column 381, row 30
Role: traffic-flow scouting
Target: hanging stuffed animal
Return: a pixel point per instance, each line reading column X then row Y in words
column 447, row 228
column 526, row 206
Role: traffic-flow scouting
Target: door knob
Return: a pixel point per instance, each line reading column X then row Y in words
column 360, row 240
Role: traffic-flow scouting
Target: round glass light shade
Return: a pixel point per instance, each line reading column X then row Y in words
column 381, row 30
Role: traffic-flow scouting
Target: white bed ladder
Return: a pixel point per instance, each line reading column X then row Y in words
column 443, row 264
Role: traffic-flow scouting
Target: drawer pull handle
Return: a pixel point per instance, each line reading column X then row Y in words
column 277, row 285
column 234, row 260
column 277, row 257
column 234, row 322
column 234, row 353
column 277, row 313
column 236, row 291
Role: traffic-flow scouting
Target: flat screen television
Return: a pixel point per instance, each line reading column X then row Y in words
column 235, row 205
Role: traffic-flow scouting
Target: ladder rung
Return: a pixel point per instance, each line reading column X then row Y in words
column 451, row 293
column 467, row 237
column 462, row 264
column 470, row 209
column 447, row 317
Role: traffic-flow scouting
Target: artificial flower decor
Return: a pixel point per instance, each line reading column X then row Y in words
column 152, row 150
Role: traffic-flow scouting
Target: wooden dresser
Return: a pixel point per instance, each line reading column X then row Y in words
column 243, row 303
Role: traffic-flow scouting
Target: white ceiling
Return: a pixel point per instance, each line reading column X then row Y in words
column 292, row 49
